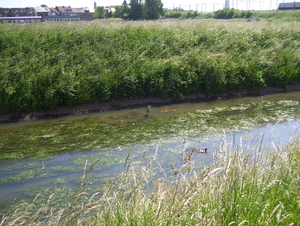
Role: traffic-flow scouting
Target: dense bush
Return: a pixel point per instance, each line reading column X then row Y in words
column 231, row 13
column 173, row 14
column 54, row 64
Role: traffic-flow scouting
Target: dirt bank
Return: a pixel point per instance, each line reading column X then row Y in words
column 137, row 103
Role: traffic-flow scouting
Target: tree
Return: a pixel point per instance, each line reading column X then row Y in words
column 118, row 12
column 136, row 10
column 154, row 9
column 109, row 14
column 224, row 14
column 125, row 10
column 248, row 14
column 150, row 9
column 173, row 14
column 99, row 12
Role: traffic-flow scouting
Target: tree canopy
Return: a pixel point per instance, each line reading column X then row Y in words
column 154, row 8
column 145, row 10
column 135, row 10
column 231, row 13
column 99, row 12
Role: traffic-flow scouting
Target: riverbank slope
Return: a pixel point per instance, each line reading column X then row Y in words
column 137, row 103
column 45, row 67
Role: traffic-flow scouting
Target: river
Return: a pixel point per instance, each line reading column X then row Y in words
column 54, row 154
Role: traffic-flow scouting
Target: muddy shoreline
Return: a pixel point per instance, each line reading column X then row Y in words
column 137, row 103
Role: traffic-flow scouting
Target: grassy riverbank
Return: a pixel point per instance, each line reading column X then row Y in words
column 278, row 16
column 46, row 65
column 241, row 187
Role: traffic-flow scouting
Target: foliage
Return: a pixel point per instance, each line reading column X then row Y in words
column 125, row 10
column 154, row 9
column 181, row 14
column 99, row 12
column 136, row 11
column 149, row 9
column 119, row 11
column 173, row 14
column 231, row 13
column 224, row 14
column 47, row 65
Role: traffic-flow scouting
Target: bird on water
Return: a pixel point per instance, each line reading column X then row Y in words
column 201, row 151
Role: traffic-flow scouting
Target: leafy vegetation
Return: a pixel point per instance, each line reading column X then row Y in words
column 62, row 64
column 177, row 13
column 99, row 12
column 231, row 13
column 136, row 10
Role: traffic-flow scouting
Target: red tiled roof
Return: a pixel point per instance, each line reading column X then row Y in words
column 66, row 9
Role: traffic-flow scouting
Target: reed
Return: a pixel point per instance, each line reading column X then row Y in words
column 241, row 187
column 47, row 65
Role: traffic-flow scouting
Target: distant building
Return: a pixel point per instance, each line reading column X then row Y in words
column 13, row 12
column 110, row 9
column 21, row 19
column 59, row 13
column 45, row 11
column 67, row 13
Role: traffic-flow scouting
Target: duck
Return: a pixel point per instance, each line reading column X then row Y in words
column 202, row 151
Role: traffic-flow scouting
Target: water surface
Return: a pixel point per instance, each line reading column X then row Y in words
column 39, row 154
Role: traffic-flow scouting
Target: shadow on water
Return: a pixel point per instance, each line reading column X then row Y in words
column 127, row 138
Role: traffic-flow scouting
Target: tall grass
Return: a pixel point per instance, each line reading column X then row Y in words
column 55, row 64
column 241, row 187
column 278, row 15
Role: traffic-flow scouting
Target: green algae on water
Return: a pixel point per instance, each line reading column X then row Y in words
column 42, row 141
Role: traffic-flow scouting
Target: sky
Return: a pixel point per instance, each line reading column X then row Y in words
column 199, row 5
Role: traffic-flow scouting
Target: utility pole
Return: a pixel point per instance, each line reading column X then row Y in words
column 260, row 5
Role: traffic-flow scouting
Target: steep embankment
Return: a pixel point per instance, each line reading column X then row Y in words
column 137, row 103
column 48, row 65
